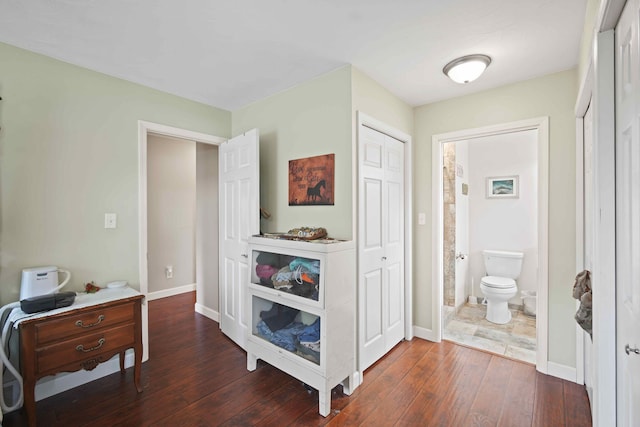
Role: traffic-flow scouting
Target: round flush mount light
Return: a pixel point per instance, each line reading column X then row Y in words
column 467, row 68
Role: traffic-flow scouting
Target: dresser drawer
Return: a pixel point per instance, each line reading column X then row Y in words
column 80, row 336
column 87, row 346
column 82, row 323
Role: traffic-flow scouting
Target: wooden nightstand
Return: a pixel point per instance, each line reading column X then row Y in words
column 79, row 338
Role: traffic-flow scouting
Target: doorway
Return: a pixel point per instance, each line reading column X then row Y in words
column 171, row 215
column 540, row 277
column 206, row 296
column 476, row 219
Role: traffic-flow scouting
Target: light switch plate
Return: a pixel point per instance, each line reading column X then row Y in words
column 422, row 218
column 110, row 220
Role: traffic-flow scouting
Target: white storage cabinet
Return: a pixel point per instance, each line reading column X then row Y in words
column 327, row 297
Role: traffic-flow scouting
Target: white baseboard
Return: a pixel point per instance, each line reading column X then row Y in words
column 207, row 312
column 54, row 384
column 171, row 292
column 561, row 371
column 356, row 380
column 424, row 333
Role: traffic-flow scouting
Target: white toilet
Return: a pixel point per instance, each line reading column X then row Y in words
column 499, row 285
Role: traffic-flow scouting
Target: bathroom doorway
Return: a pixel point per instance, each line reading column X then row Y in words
column 475, row 216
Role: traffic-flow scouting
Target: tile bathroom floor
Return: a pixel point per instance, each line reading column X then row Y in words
column 516, row 339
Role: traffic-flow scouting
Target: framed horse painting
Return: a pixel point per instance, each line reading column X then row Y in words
column 311, row 181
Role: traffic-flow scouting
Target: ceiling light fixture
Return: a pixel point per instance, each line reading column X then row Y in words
column 467, row 68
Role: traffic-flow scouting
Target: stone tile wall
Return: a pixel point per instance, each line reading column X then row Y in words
column 449, row 216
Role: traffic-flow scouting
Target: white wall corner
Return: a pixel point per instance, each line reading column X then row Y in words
column 425, row 334
column 561, row 371
column 207, row 312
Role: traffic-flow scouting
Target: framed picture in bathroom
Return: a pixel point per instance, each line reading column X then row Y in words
column 502, row 187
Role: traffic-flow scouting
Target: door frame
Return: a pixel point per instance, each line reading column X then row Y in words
column 597, row 85
column 541, row 124
column 585, row 98
column 144, row 128
column 365, row 120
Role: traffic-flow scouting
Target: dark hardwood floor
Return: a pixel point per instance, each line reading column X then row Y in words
column 198, row 377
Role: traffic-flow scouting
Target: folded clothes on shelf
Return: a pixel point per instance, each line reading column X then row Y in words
column 306, row 265
column 278, row 316
column 290, row 338
column 286, row 337
column 310, row 336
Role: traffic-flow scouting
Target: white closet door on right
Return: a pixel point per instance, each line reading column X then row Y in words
column 380, row 245
column 627, row 61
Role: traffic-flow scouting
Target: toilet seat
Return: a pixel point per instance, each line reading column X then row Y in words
column 498, row 282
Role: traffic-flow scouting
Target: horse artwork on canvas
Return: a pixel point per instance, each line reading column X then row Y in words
column 313, row 193
column 311, row 181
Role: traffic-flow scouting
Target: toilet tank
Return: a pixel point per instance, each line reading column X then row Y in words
column 503, row 263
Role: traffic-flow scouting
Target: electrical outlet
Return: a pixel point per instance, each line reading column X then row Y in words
column 168, row 271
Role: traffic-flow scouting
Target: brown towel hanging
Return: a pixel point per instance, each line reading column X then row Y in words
column 582, row 292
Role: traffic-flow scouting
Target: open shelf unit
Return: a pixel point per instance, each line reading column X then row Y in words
column 302, row 303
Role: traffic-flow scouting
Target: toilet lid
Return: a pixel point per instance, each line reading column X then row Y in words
column 498, row 282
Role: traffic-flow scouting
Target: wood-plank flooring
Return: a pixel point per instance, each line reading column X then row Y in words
column 198, row 377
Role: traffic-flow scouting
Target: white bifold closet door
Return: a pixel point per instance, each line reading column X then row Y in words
column 380, row 245
column 627, row 66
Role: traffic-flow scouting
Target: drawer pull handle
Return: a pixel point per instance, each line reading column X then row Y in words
column 81, row 348
column 82, row 325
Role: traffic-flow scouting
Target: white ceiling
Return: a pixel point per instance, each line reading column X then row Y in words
column 234, row 52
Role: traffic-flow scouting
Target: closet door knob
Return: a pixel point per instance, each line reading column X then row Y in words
column 384, row 258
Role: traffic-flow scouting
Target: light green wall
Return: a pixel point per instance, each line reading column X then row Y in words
column 552, row 96
column 313, row 118
column 308, row 120
column 377, row 102
column 586, row 42
column 68, row 154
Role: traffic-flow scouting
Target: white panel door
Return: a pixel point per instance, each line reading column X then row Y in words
column 628, row 216
column 239, row 219
column 380, row 245
column 393, row 238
